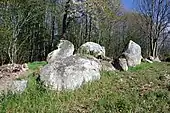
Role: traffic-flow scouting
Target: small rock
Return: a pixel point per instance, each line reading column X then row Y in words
column 25, row 67
column 123, row 64
column 18, row 86
column 154, row 59
column 147, row 60
column 107, row 66
column 157, row 59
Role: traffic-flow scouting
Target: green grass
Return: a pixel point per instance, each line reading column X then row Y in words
column 36, row 65
column 142, row 66
column 144, row 89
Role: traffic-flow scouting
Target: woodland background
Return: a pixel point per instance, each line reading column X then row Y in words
column 30, row 29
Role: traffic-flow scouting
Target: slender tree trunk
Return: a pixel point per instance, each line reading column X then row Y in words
column 52, row 33
column 64, row 26
column 151, row 37
column 86, row 29
column 90, row 27
column 65, row 21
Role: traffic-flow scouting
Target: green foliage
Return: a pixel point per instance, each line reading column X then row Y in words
column 116, row 92
column 23, row 31
column 37, row 26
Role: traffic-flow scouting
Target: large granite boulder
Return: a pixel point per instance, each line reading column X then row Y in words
column 91, row 48
column 65, row 49
column 70, row 73
column 133, row 54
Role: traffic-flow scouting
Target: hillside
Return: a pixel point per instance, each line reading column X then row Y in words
column 84, row 56
column 142, row 89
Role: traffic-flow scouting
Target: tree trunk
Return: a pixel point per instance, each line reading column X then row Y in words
column 65, row 17
column 52, row 33
column 90, row 27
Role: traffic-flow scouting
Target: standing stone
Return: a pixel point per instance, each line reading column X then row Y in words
column 91, row 48
column 70, row 73
column 65, row 49
column 133, row 54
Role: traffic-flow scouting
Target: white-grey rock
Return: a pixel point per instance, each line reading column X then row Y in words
column 18, row 86
column 70, row 73
column 157, row 59
column 123, row 64
column 107, row 66
column 147, row 60
column 25, row 67
column 154, row 59
column 133, row 54
column 151, row 58
column 65, row 49
column 93, row 49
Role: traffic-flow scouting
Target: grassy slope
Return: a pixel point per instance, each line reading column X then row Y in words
column 141, row 90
